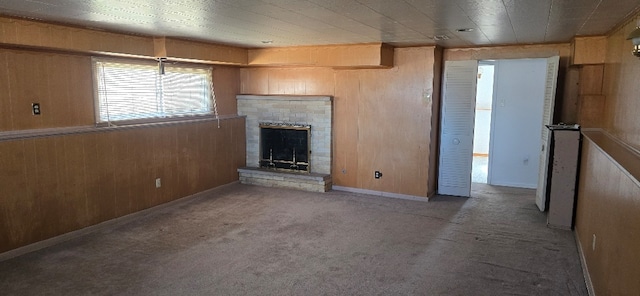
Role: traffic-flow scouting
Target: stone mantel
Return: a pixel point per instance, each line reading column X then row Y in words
column 284, row 97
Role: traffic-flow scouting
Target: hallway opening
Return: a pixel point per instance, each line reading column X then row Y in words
column 482, row 125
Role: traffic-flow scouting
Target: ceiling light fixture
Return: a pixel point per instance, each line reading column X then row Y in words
column 465, row 30
column 634, row 36
column 440, row 37
column 267, row 41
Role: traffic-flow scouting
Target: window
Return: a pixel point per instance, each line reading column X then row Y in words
column 134, row 90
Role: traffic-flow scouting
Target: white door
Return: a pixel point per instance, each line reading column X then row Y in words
column 519, row 92
column 456, row 133
column 549, row 102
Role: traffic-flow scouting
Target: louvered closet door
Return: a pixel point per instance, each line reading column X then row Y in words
column 549, row 103
column 456, row 133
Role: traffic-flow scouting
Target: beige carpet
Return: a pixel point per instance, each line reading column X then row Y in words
column 248, row 240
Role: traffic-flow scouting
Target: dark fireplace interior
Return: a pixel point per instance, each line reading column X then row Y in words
column 284, row 147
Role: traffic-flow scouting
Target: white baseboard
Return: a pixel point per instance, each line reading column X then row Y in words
column 585, row 269
column 380, row 193
column 102, row 225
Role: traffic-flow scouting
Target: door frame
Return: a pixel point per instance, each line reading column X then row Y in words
column 549, row 92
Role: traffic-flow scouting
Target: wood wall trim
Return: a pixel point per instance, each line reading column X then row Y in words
column 33, row 34
column 201, row 52
column 62, row 131
column 625, row 157
column 285, row 97
column 509, row 52
column 350, row 56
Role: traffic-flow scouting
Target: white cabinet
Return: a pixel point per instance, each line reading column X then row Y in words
column 565, row 144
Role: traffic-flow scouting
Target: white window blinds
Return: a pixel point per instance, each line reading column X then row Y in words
column 128, row 91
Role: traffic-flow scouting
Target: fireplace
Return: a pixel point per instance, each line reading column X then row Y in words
column 284, row 146
column 288, row 141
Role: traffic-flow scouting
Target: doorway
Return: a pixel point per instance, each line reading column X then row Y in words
column 522, row 103
column 482, row 125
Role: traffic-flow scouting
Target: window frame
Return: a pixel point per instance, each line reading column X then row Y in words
column 95, row 62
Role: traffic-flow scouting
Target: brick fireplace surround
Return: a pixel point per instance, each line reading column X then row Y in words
column 305, row 110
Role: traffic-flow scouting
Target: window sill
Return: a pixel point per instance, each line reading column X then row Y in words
column 51, row 132
column 156, row 120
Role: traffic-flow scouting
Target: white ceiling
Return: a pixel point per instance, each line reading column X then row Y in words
column 312, row 22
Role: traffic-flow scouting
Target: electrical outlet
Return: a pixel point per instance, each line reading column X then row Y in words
column 35, row 108
column 158, row 183
column 377, row 174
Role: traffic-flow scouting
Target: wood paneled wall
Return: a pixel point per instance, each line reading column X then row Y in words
column 608, row 200
column 608, row 209
column 62, row 84
column 588, row 50
column 33, row 34
column 621, row 88
column 510, row 52
column 382, row 118
column 53, row 185
column 372, row 55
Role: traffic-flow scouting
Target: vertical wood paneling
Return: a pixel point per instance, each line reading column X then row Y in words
column 79, row 87
column 346, row 129
column 570, row 100
column 621, row 87
column 28, row 85
column 589, row 50
column 254, row 81
column 381, row 120
column 6, row 114
column 226, row 81
column 18, row 208
column 608, row 206
column 608, row 203
column 591, row 79
column 60, row 83
column 394, row 124
column 100, row 175
column 55, row 185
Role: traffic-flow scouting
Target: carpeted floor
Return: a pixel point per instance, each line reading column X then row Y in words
column 249, row 240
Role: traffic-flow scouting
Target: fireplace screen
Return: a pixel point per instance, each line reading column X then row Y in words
column 284, row 147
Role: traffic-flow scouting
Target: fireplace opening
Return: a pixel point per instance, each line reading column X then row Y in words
column 284, row 147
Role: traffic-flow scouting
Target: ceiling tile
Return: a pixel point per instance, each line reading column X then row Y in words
column 311, row 22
